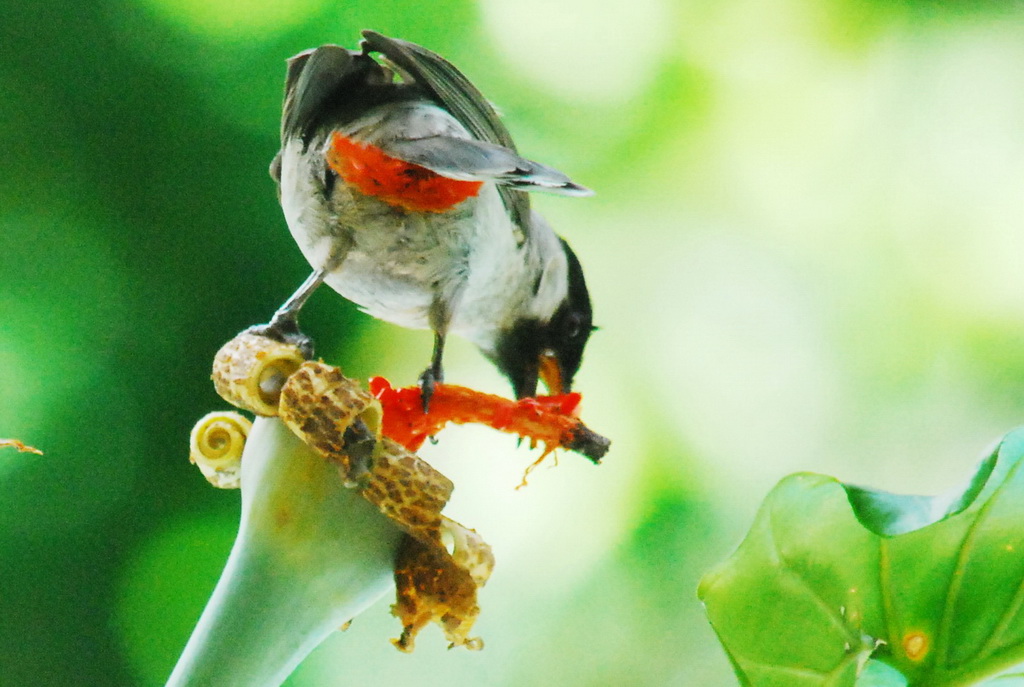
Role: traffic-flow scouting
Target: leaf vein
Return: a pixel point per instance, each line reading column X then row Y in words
column 831, row 612
column 992, row 644
column 890, row 615
column 956, row 583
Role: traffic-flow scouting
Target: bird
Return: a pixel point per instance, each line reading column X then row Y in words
column 405, row 192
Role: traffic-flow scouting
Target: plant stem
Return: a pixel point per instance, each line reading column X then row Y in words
column 310, row 555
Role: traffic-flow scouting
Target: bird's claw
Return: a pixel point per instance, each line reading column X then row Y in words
column 428, row 380
column 284, row 327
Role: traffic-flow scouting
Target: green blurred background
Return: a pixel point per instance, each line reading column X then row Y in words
column 805, row 254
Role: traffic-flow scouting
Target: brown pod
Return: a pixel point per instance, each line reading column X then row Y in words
column 250, row 370
column 321, row 405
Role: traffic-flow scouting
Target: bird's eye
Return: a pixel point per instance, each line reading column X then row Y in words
column 574, row 326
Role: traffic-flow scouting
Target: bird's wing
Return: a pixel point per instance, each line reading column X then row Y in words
column 324, row 84
column 454, row 92
column 472, row 160
column 445, row 84
column 313, row 80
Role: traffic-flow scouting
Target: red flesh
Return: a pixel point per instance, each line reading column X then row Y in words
column 548, row 419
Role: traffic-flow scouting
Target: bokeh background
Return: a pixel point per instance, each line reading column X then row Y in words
column 805, row 254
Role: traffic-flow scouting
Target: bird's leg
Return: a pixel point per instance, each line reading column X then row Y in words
column 284, row 325
column 434, row 374
column 291, row 307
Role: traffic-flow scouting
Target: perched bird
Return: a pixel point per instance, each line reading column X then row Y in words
column 405, row 193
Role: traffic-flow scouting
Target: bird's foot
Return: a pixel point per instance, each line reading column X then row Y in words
column 284, row 327
column 430, row 378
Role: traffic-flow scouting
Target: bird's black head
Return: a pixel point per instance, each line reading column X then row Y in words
column 552, row 350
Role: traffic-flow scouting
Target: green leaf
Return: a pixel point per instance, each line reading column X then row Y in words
column 1010, row 680
column 878, row 674
column 832, row 575
column 892, row 514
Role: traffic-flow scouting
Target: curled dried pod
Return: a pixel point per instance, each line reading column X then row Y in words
column 436, row 585
column 335, row 416
column 216, row 445
column 409, row 491
column 469, row 550
column 250, row 370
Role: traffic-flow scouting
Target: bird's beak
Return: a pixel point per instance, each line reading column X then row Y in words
column 550, row 372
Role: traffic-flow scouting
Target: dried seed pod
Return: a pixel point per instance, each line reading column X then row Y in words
column 334, row 415
column 409, row 491
column 216, row 447
column 250, row 370
column 469, row 550
column 342, row 423
column 435, row 585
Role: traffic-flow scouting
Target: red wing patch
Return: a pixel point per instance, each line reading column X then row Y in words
column 396, row 182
